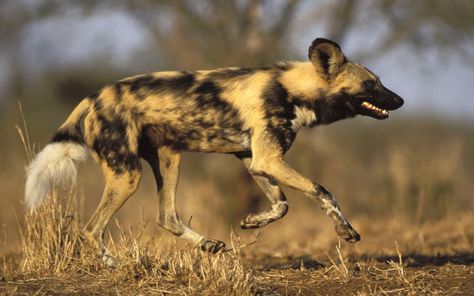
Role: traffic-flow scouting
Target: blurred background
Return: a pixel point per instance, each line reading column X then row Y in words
column 415, row 168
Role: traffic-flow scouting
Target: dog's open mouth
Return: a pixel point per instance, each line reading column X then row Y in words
column 378, row 111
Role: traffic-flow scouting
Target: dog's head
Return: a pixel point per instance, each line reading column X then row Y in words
column 352, row 88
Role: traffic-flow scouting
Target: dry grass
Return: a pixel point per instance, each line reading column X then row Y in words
column 52, row 251
column 54, row 261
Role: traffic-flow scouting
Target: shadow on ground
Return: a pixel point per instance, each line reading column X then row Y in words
column 300, row 262
column 417, row 260
column 409, row 260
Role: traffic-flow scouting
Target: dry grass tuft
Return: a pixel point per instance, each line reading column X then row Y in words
column 341, row 267
column 52, row 246
column 50, row 240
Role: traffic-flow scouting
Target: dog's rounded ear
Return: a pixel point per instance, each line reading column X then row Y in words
column 327, row 57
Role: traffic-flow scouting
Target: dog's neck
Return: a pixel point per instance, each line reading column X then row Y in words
column 302, row 81
column 308, row 92
column 305, row 87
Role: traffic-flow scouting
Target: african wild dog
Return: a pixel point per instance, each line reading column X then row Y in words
column 251, row 113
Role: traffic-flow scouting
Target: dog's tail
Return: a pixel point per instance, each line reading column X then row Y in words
column 55, row 165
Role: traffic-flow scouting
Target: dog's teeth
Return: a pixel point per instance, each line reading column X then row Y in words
column 374, row 108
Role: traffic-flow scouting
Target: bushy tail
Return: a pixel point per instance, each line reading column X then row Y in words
column 55, row 165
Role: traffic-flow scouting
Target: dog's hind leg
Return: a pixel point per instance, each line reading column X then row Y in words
column 120, row 184
column 168, row 218
column 279, row 204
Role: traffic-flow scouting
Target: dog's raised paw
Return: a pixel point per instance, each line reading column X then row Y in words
column 251, row 222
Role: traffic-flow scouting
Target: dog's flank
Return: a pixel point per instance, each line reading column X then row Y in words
column 252, row 113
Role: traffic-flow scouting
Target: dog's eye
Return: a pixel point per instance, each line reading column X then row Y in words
column 370, row 85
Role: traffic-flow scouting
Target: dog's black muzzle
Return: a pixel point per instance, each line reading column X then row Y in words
column 390, row 100
column 378, row 103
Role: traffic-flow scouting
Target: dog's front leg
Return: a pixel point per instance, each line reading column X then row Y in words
column 267, row 162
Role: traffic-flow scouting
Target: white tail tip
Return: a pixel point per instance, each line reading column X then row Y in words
column 54, row 166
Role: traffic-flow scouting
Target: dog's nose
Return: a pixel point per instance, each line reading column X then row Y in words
column 394, row 101
column 398, row 101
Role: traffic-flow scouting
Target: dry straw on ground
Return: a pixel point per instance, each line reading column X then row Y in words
column 55, row 261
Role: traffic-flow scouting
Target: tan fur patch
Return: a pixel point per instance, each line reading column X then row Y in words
column 303, row 81
column 245, row 96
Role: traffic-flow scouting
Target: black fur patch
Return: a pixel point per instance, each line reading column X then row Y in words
column 73, row 133
column 299, row 102
column 321, row 190
column 180, row 83
column 333, row 108
column 243, row 154
column 225, row 74
column 208, row 96
column 227, row 123
column 279, row 113
column 93, row 96
column 282, row 66
column 118, row 91
column 174, row 138
column 323, row 59
column 112, row 146
column 98, row 106
column 66, row 136
column 370, row 86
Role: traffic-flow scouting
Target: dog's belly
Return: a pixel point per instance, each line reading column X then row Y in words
column 197, row 138
column 211, row 140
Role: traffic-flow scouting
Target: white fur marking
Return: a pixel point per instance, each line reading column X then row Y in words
column 304, row 117
column 54, row 166
column 245, row 141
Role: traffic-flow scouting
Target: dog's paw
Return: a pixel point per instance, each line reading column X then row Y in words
column 348, row 233
column 253, row 221
column 212, row 246
column 108, row 260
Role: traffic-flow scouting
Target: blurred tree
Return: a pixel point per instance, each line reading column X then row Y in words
column 15, row 18
column 209, row 33
column 250, row 32
column 196, row 34
column 434, row 24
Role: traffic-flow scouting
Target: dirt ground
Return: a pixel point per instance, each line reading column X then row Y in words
column 436, row 259
column 366, row 275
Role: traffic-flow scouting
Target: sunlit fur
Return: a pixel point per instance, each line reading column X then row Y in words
column 252, row 113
